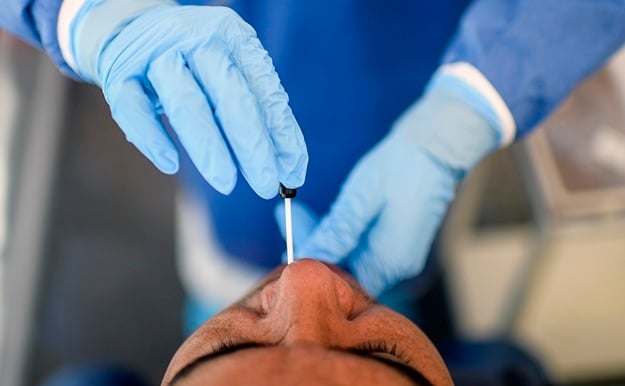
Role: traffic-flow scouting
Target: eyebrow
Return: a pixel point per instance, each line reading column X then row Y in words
column 415, row 376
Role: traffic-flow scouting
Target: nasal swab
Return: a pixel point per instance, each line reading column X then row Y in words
column 287, row 194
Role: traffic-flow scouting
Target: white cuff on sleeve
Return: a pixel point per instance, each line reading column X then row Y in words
column 69, row 9
column 473, row 77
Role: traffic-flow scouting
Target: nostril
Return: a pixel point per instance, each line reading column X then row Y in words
column 345, row 297
column 268, row 299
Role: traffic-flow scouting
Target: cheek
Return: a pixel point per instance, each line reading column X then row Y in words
column 255, row 325
column 237, row 324
column 375, row 317
column 380, row 323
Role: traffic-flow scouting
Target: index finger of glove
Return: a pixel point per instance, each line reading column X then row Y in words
column 350, row 216
column 257, row 67
column 191, row 117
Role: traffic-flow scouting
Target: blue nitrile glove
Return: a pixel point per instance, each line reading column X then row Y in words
column 388, row 211
column 203, row 67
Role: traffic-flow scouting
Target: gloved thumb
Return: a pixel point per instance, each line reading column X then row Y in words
column 304, row 220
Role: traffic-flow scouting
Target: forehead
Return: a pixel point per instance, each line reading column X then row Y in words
column 293, row 365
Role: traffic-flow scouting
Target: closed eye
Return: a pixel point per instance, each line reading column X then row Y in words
column 225, row 347
column 392, row 357
column 366, row 349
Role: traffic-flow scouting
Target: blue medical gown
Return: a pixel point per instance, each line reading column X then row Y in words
column 352, row 66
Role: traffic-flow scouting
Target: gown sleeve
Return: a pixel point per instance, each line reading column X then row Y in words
column 34, row 21
column 534, row 52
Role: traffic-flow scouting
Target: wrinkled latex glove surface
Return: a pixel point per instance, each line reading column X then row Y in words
column 207, row 71
column 383, row 221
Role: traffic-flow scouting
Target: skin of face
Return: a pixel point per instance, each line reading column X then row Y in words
column 301, row 326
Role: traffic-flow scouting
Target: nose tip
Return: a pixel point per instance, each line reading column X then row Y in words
column 312, row 301
column 312, row 282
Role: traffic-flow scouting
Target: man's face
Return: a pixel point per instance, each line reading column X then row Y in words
column 307, row 323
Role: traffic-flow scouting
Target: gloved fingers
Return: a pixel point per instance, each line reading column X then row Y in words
column 286, row 135
column 132, row 110
column 238, row 115
column 356, row 207
column 304, row 221
column 190, row 115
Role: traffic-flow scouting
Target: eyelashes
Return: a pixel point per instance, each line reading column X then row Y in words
column 229, row 345
column 381, row 347
column 365, row 348
column 224, row 347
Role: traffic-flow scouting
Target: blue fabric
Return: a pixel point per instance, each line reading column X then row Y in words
column 35, row 22
column 17, row 18
column 535, row 51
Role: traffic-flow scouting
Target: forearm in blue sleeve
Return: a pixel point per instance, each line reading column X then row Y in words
column 35, row 21
column 534, row 52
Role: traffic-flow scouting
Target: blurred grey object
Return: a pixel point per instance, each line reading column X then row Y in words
column 577, row 161
column 8, row 109
column 36, row 129
column 89, row 273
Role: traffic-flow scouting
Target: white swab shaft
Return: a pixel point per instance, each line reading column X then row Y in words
column 289, row 230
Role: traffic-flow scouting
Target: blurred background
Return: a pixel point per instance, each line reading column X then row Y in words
column 528, row 252
column 88, row 272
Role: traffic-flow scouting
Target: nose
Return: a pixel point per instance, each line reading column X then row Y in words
column 311, row 303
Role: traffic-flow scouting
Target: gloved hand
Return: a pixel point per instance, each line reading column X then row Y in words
column 207, row 71
column 388, row 211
